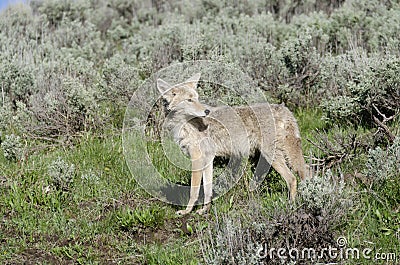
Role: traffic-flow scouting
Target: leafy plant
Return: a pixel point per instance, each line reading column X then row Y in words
column 140, row 217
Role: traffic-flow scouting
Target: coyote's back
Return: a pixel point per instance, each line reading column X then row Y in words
column 270, row 129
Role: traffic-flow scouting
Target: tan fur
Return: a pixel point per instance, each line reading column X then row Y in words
column 204, row 132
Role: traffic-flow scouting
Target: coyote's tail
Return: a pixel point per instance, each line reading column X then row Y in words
column 293, row 150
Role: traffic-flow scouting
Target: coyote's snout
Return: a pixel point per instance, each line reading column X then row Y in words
column 204, row 132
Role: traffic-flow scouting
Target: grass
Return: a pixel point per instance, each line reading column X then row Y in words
column 105, row 217
column 101, row 212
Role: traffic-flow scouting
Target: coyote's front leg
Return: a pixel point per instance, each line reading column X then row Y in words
column 207, row 183
column 195, row 182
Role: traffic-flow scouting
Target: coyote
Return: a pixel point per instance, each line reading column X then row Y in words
column 204, row 132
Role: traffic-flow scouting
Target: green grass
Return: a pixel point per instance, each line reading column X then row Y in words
column 103, row 209
column 159, row 254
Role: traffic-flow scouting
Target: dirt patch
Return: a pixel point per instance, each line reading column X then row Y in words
column 32, row 256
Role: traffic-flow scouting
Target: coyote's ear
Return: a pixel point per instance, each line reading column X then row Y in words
column 192, row 81
column 162, row 86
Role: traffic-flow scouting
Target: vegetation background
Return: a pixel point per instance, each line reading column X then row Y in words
column 69, row 68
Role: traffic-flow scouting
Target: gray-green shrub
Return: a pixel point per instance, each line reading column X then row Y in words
column 373, row 92
column 382, row 171
column 384, row 163
column 324, row 192
column 79, row 61
column 12, row 147
column 62, row 174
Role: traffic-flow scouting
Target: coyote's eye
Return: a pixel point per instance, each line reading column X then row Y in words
column 173, row 94
column 190, row 100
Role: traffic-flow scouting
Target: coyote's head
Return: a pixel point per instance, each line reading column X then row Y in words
column 183, row 97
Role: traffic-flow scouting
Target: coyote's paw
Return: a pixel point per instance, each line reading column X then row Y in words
column 203, row 210
column 183, row 212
